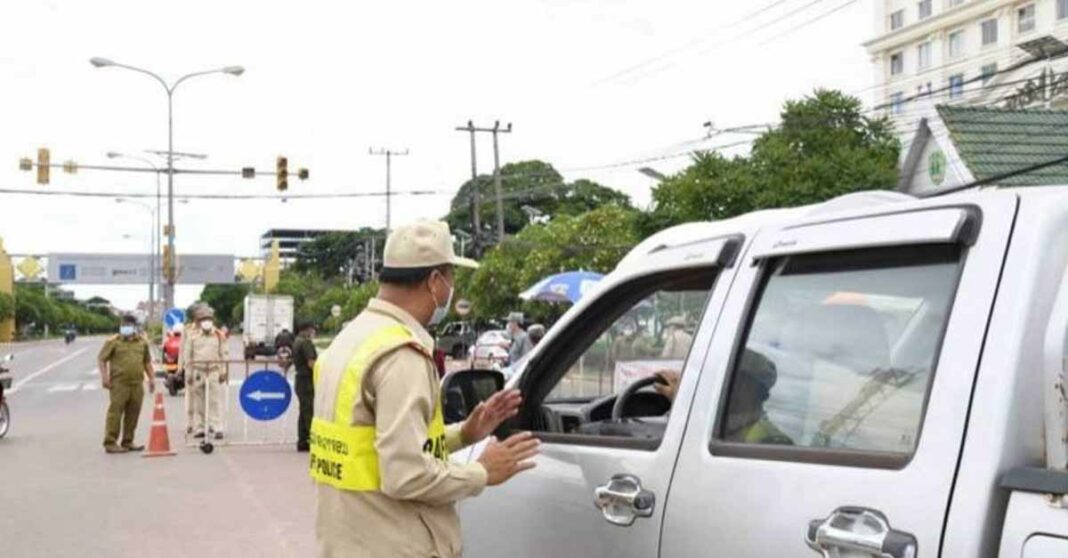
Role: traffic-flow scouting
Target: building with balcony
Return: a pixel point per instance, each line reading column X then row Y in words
column 1000, row 53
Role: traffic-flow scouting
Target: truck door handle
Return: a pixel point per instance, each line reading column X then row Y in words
column 859, row 529
column 623, row 500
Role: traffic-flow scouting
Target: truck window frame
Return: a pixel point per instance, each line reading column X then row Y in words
column 548, row 368
column 871, row 459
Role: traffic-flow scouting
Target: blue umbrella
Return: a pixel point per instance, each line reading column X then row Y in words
column 564, row 288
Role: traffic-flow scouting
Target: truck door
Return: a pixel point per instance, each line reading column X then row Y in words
column 832, row 403
column 600, row 482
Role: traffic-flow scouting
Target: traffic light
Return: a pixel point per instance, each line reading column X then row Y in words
column 302, row 174
column 282, row 173
column 44, row 160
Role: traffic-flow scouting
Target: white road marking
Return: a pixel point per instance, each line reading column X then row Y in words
column 48, row 368
column 93, row 372
column 63, row 387
column 89, row 386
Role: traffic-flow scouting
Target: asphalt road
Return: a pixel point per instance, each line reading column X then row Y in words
column 61, row 495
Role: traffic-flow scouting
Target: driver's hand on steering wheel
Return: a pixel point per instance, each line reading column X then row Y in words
column 667, row 383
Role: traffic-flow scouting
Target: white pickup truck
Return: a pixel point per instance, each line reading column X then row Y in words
column 877, row 375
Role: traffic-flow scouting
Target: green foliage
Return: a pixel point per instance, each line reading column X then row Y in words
column 593, row 241
column 225, row 300
column 358, row 299
column 33, row 310
column 533, row 184
column 7, row 306
column 825, row 147
column 332, row 255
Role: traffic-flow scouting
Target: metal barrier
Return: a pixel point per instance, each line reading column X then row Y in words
column 271, row 435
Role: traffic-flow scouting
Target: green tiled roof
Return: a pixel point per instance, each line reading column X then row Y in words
column 996, row 141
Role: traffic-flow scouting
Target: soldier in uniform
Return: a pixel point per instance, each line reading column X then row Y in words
column 304, row 357
column 203, row 349
column 379, row 446
column 124, row 361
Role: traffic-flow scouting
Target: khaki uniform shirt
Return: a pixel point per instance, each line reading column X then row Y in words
column 127, row 358
column 414, row 512
column 198, row 348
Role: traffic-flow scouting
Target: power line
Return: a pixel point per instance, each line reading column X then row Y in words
column 694, row 43
column 227, row 197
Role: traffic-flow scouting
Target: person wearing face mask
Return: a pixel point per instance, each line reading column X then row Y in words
column 124, row 361
column 379, row 446
column 203, row 350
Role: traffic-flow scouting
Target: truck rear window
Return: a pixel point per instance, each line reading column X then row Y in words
column 841, row 348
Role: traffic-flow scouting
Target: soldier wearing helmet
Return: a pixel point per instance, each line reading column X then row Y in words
column 746, row 419
column 203, row 352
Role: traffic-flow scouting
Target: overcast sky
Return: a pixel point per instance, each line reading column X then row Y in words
column 586, row 83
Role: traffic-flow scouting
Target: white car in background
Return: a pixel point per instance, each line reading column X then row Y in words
column 491, row 350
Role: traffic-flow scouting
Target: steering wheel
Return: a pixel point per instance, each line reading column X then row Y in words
column 621, row 399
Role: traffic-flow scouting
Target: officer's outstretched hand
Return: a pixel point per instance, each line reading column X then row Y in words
column 488, row 415
column 504, row 460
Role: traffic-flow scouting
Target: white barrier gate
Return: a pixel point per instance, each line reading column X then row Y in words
column 278, row 431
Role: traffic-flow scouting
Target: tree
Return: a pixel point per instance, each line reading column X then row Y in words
column 593, row 241
column 824, row 147
column 7, row 306
column 525, row 186
column 224, row 299
column 333, row 255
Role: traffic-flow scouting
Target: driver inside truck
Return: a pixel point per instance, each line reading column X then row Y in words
column 747, row 421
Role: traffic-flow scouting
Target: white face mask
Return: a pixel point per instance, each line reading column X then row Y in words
column 127, row 330
column 207, row 325
column 441, row 311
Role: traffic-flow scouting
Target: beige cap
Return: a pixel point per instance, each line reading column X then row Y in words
column 420, row 245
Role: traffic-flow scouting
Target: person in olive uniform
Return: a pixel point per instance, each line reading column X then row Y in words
column 304, row 356
column 124, row 361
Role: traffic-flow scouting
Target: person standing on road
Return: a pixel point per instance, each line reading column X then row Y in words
column 379, row 445
column 304, row 357
column 521, row 343
column 203, row 350
column 124, row 361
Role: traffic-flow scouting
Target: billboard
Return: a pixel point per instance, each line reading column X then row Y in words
column 136, row 269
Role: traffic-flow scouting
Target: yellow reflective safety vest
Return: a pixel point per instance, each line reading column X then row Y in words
column 344, row 456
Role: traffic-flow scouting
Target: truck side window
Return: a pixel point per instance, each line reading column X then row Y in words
column 840, row 350
column 629, row 334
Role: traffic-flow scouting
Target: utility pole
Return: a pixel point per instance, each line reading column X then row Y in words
column 497, row 177
column 389, row 158
column 476, row 195
column 475, row 199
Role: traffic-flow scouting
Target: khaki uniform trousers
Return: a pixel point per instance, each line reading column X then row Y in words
column 206, row 395
column 123, row 411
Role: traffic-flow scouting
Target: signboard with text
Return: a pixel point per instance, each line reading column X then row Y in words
column 136, row 269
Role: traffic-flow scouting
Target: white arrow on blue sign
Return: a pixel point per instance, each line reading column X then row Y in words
column 174, row 317
column 265, row 395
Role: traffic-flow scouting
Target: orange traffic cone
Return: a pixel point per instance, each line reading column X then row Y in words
column 159, row 443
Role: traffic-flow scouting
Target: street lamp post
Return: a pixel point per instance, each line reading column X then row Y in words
column 168, row 291
column 156, row 233
column 152, row 261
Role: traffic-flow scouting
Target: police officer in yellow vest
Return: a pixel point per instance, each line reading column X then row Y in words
column 379, row 447
column 125, row 362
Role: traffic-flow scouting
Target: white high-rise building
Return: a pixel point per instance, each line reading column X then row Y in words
column 975, row 52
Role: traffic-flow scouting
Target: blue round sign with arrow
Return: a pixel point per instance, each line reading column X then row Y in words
column 174, row 317
column 265, row 395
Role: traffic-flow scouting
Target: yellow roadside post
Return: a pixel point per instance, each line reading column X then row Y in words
column 272, row 268
column 7, row 286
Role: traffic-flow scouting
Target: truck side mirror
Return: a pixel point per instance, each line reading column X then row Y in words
column 463, row 391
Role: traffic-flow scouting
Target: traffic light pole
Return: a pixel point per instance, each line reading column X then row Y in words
column 388, row 153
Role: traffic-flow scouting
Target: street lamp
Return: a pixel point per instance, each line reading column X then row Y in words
column 168, row 291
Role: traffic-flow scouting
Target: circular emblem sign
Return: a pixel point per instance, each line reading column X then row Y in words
column 463, row 307
column 936, row 167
